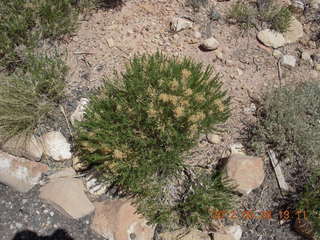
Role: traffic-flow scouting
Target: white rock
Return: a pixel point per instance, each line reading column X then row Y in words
column 237, row 148
column 247, row 172
column 276, row 53
column 219, row 54
column 210, row 44
column 178, row 24
column 56, row 146
column 110, row 42
column 95, row 187
column 315, row 4
column 20, row 173
column 271, row 38
column 197, row 34
column 28, row 147
column 77, row 115
column 288, row 61
column 214, row 138
column 66, row 194
column 294, row 33
column 306, row 56
column 229, row 233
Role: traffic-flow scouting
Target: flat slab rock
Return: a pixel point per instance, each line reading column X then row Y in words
column 66, row 194
column 246, row 171
column 117, row 220
column 271, row 38
column 29, row 147
column 20, row 173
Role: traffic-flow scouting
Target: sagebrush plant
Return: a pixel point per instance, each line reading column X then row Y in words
column 310, row 203
column 288, row 122
column 243, row 13
column 28, row 95
column 136, row 129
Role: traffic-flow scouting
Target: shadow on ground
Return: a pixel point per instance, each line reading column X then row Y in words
column 59, row 234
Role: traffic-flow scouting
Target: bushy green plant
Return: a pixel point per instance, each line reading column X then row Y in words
column 24, row 23
column 136, row 129
column 28, row 95
column 281, row 20
column 310, row 203
column 210, row 193
column 56, row 17
column 243, row 14
column 16, row 22
column 288, row 122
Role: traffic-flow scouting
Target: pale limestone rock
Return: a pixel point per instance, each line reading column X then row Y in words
column 230, row 233
column 276, row 53
column 28, row 147
column 210, row 44
column 20, row 173
column 294, row 33
column 288, row 61
column 117, row 220
column 247, row 172
column 237, row 148
column 56, row 146
column 271, row 38
column 315, row 4
column 214, row 138
column 78, row 114
column 178, row 24
column 66, row 194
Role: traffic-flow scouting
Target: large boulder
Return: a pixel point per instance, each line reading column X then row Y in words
column 20, row 173
column 118, row 220
column 246, row 171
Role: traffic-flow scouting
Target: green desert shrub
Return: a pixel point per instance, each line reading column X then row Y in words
column 279, row 17
column 24, row 23
column 243, row 14
column 56, row 17
column 281, row 20
column 137, row 128
column 288, row 122
column 28, row 95
column 195, row 208
column 16, row 22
